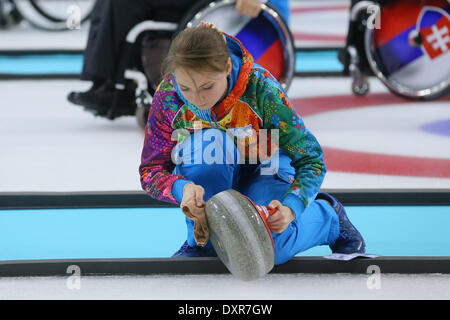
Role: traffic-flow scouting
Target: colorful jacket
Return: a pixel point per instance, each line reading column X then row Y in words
column 256, row 98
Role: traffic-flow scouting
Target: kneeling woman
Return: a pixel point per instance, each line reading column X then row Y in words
column 215, row 102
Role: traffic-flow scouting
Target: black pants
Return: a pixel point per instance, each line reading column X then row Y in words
column 355, row 37
column 111, row 21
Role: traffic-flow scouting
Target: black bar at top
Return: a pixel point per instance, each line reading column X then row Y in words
column 139, row 199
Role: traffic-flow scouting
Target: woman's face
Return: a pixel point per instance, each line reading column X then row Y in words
column 203, row 88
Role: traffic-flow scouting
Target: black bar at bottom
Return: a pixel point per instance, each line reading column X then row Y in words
column 317, row 265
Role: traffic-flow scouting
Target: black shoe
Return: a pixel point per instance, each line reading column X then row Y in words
column 125, row 105
column 349, row 239
column 100, row 100
column 99, row 104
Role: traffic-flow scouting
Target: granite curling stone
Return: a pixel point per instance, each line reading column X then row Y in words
column 239, row 235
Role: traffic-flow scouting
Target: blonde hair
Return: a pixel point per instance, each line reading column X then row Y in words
column 199, row 48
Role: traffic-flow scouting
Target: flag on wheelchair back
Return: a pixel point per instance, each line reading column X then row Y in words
column 260, row 36
column 436, row 33
column 409, row 64
column 263, row 42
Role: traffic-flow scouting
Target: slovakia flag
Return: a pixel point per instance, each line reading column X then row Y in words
column 435, row 31
column 261, row 36
column 418, row 67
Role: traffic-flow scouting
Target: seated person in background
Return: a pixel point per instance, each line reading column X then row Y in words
column 111, row 21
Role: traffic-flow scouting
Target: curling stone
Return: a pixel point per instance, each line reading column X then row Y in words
column 240, row 235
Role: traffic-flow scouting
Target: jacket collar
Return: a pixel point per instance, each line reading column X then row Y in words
column 239, row 79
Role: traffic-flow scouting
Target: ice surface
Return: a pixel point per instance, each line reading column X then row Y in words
column 225, row 287
column 49, row 144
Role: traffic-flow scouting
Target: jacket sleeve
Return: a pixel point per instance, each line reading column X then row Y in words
column 156, row 162
column 296, row 141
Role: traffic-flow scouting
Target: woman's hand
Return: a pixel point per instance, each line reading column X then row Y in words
column 250, row 8
column 193, row 195
column 193, row 207
column 280, row 220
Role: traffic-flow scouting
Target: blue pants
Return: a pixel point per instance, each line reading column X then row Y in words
column 317, row 225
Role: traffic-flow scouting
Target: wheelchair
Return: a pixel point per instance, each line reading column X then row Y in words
column 48, row 15
column 406, row 44
column 267, row 37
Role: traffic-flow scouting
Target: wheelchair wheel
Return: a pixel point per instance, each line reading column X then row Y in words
column 154, row 47
column 410, row 53
column 52, row 15
column 9, row 15
column 266, row 37
column 57, row 11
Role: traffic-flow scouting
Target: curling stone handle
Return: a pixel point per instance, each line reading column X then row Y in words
column 271, row 211
column 266, row 209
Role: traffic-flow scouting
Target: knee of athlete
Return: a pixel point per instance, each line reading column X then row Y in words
column 218, row 148
column 286, row 244
column 207, row 146
column 282, row 256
